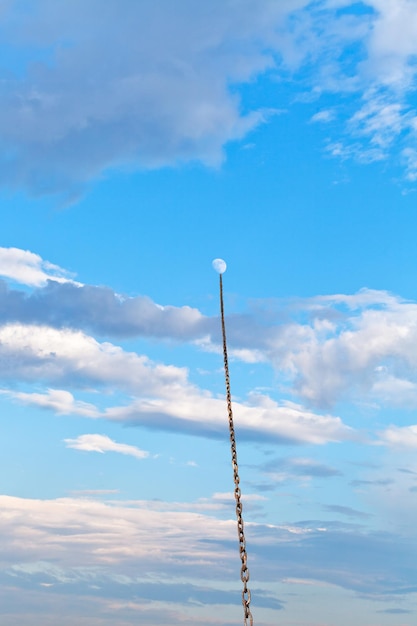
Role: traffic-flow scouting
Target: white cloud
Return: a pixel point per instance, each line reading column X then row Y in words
column 361, row 346
column 102, row 443
column 379, row 119
column 60, row 401
column 324, row 116
column 360, row 299
column 29, row 269
column 400, row 436
column 189, row 409
column 32, row 352
column 328, row 362
column 393, row 42
column 260, row 418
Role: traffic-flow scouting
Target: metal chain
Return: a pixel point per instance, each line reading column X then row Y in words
column 244, row 571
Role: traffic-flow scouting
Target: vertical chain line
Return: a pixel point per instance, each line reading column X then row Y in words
column 244, row 570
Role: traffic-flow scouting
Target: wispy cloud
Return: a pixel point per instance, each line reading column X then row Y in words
column 283, row 469
column 324, row 116
column 347, row 511
column 102, row 444
column 61, row 401
column 377, row 77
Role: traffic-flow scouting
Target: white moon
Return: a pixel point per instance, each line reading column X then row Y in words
column 219, row 265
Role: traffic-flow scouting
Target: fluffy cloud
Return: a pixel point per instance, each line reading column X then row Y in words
column 330, row 347
column 102, row 444
column 41, row 353
column 393, row 42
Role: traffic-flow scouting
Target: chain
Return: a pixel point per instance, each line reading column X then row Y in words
column 244, row 571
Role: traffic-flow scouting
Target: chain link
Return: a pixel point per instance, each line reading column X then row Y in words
column 244, row 571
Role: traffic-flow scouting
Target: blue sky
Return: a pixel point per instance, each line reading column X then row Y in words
column 139, row 141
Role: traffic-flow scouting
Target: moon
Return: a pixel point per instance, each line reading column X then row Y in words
column 219, row 265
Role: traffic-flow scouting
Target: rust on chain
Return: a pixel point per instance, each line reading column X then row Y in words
column 244, row 571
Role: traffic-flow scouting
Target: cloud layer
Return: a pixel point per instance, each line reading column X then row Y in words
column 324, row 349
column 99, row 546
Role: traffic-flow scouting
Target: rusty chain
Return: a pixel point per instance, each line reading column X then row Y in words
column 244, row 571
